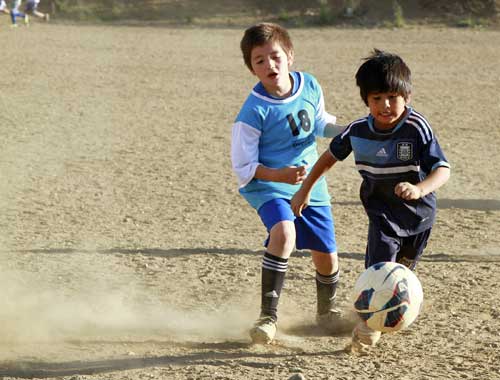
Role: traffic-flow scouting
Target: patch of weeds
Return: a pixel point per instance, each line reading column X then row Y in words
column 399, row 19
column 325, row 15
column 284, row 16
column 471, row 22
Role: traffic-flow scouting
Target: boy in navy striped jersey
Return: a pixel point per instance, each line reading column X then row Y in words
column 401, row 163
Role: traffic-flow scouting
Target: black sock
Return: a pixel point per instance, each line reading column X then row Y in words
column 273, row 277
column 326, row 287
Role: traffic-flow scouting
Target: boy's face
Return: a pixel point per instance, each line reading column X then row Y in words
column 271, row 64
column 387, row 108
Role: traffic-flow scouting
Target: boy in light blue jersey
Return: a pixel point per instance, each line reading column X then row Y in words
column 273, row 147
column 401, row 163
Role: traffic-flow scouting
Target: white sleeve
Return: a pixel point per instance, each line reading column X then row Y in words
column 322, row 117
column 244, row 152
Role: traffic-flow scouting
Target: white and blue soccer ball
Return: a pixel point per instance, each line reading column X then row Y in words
column 388, row 297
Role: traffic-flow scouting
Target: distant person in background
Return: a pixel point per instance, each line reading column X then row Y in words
column 3, row 7
column 15, row 13
column 32, row 9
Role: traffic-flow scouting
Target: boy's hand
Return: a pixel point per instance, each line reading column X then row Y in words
column 408, row 191
column 293, row 175
column 299, row 202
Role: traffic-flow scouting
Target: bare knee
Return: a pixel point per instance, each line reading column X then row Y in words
column 325, row 263
column 282, row 239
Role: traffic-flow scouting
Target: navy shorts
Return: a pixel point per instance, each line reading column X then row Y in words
column 386, row 246
column 314, row 229
column 31, row 6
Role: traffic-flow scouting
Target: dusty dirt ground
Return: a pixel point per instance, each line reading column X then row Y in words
column 127, row 253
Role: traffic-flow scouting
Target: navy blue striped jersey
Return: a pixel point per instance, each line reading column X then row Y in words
column 406, row 153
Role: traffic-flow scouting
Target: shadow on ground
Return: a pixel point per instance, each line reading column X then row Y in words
column 216, row 354
column 465, row 204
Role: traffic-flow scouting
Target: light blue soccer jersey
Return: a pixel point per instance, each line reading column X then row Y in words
column 287, row 130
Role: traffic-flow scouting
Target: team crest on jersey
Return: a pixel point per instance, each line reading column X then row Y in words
column 405, row 151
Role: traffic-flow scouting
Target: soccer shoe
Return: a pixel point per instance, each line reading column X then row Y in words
column 409, row 263
column 26, row 20
column 330, row 320
column 364, row 337
column 335, row 321
column 46, row 17
column 263, row 331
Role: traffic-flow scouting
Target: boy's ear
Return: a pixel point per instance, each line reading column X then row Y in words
column 290, row 58
column 251, row 69
column 408, row 99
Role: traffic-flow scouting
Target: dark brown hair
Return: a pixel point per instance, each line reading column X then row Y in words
column 261, row 34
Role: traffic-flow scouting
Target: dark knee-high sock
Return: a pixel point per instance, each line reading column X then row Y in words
column 273, row 277
column 326, row 287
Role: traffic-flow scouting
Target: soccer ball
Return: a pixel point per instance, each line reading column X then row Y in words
column 388, row 297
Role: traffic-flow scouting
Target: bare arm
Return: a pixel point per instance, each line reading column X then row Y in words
column 293, row 175
column 301, row 198
column 432, row 182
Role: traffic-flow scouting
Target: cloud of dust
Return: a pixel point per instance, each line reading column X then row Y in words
column 81, row 298
column 85, row 296
column 34, row 308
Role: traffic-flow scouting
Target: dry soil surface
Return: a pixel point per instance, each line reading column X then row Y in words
column 127, row 252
